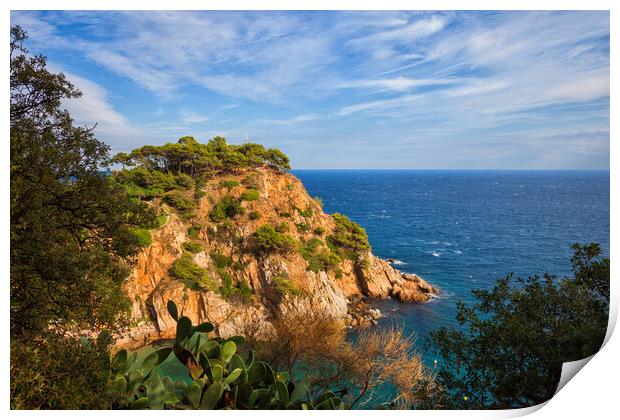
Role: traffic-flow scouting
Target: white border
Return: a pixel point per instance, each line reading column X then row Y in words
column 593, row 393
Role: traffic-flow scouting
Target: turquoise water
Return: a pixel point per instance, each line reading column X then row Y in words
column 462, row 230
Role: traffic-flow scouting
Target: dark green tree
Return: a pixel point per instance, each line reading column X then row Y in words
column 512, row 342
column 70, row 224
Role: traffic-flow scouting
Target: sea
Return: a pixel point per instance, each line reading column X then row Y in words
column 463, row 230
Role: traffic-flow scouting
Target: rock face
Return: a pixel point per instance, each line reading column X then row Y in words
column 282, row 199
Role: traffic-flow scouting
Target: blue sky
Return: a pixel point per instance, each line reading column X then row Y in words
column 460, row 90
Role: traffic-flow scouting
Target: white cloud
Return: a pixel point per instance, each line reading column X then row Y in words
column 397, row 84
column 93, row 109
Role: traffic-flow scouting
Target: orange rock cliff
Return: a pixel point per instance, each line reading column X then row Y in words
column 272, row 283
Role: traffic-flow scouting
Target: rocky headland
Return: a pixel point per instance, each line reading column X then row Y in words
column 243, row 281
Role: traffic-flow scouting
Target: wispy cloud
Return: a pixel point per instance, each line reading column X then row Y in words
column 480, row 77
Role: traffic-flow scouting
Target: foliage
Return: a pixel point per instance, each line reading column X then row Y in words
column 59, row 372
column 269, row 240
column 220, row 260
column 192, row 275
column 196, row 159
column 227, row 208
column 179, row 201
column 308, row 212
column 249, row 195
column 219, row 375
column 70, row 238
column 519, row 333
column 161, row 220
column 318, row 256
column 254, row 215
column 285, row 286
column 194, row 232
column 229, row 184
column 302, row 227
column 314, row 344
column 348, row 238
column 192, row 247
column 142, row 237
column 319, row 231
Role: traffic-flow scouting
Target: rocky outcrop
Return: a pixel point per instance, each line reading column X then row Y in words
column 282, row 200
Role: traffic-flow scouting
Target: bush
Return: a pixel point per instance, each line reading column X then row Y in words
column 58, row 372
column 220, row 260
column 302, row 227
column 227, row 208
column 269, row 240
column 254, row 215
column 179, row 201
column 285, row 286
column 141, row 236
column 185, row 180
column 305, row 213
column 193, row 247
column 349, row 238
column 193, row 276
column 319, row 231
column 318, row 257
column 229, row 184
column 249, row 195
column 194, row 232
column 161, row 220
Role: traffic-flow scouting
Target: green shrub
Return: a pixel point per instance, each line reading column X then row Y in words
column 318, row 257
column 220, row 260
column 285, row 286
column 194, row 232
column 302, row 227
column 249, row 195
column 269, row 240
column 319, row 231
column 193, row 247
column 185, row 180
column 198, row 194
column 305, row 213
column 227, row 208
column 286, row 214
column 227, row 284
column 161, row 220
column 254, row 215
column 349, row 239
column 142, row 237
column 179, row 201
column 229, row 184
column 193, row 276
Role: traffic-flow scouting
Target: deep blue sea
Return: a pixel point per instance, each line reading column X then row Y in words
column 463, row 230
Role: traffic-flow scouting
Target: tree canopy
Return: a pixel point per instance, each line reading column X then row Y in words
column 514, row 339
column 189, row 156
column 71, row 225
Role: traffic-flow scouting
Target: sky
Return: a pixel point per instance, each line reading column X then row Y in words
column 339, row 89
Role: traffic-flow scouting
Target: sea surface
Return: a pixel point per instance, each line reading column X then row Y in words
column 463, row 230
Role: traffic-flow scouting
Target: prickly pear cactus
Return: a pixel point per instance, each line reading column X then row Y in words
column 218, row 376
